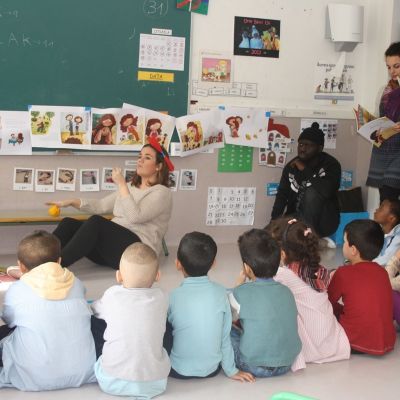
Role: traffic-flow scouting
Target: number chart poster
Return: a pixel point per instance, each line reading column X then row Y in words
column 231, row 206
column 256, row 37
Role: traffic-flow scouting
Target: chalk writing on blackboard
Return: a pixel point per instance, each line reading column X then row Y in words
column 12, row 13
column 17, row 40
column 155, row 8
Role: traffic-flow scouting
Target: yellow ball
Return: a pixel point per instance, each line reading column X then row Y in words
column 54, row 211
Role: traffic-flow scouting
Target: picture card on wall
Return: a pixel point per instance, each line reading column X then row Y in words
column 199, row 132
column 107, row 182
column 245, row 126
column 15, row 138
column 173, row 180
column 60, row 127
column 23, row 178
column 89, row 180
column 66, row 179
column 188, row 179
column 158, row 125
column 216, row 68
column 45, row 180
column 257, row 37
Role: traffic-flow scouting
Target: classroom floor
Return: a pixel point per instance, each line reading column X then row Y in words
column 361, row 377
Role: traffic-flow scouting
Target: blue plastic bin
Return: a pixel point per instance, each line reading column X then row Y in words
column 345, row 218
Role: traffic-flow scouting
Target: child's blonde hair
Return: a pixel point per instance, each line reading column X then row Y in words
column 138, row 266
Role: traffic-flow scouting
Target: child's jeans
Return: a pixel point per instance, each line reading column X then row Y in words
column 259, row 372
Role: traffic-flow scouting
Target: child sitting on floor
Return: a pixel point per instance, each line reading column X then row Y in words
column 323, row 338
column 300, row 245
column 199, row 316
column 393, row 269
column 267, row 343
column 51, row 346
column 134, row 362
column 364, row 288
column 388, row 216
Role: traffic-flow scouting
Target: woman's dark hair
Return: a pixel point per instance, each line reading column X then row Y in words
column 366, row 236
column 393, row 50
column 162, row 175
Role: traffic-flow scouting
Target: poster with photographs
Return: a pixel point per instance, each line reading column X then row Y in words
column 173, row 180
column 89, row 180
column 45, row 180
column 216, row 68
column 107, row 182
column 15, row 138
column 328, row 126
column 200, row 132
column 231, row 205
column 23, row 178
column 66, row 179
column 60, row 127
column 245, row 126
column 257, row 37
column 188, row 179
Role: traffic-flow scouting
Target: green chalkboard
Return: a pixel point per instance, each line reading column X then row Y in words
column 85, row 53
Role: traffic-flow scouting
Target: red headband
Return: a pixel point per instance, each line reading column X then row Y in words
column 156, row 146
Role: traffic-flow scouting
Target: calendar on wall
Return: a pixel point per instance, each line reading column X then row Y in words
column 231, row 205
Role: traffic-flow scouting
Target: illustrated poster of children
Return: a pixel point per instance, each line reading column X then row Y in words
column 15, row 133
column 245, row 126
column 157, row 125
column 131, row 127
column 199, row 132
column 74, row 128
column 55, row 127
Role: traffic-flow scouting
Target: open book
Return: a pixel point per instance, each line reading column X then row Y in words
column 375, row 130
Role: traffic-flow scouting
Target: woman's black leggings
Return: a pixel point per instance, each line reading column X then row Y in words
column 98, row 239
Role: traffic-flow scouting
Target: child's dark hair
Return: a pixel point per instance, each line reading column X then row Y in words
column 394, row 207
column 367, row 236
column 196, row 253
column 301, row 244
column 38, row 248
column 260, row 252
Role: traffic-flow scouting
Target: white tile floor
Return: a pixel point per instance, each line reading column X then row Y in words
column 361, row 377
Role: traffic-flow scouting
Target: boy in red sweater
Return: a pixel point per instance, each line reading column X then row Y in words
column 364, row 287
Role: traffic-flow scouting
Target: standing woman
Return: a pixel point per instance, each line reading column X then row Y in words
column 384, row 169
column 141, row 209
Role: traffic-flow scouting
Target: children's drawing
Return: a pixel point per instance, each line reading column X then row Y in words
column 41, row 122
column 216, row 68
column 74, row 128
column 129, row 126
column 104, row 130
column 199, row 132
column 245, row 126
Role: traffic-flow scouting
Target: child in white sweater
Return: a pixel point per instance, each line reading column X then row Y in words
column 134, row 362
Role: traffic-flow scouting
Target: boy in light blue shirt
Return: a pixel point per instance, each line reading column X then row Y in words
column 267, row 342
column 199, row 316
column 388, row 216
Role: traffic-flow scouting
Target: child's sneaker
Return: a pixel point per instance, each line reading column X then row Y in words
column 14, row 272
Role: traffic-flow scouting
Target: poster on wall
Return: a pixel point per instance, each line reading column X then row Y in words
column 328, row 126
column 257, row 37
column 334, row 80
column 230, row 206
column 216, row 68
column 15, row 133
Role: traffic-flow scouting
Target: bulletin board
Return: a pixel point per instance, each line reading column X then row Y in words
column 86, row 53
